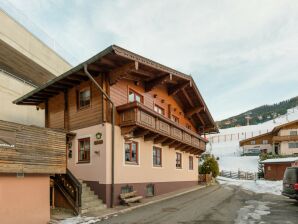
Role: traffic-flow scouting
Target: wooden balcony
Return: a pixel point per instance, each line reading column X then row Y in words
column 285, row 138
column 137, row 120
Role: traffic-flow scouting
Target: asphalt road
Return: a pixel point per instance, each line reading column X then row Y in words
column 215, row 204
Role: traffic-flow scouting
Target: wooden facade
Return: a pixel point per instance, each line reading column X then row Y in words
column 30, row 149
column 118, row 72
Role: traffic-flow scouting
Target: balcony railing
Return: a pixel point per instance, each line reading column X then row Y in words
column 285, row 138
column 135, row 115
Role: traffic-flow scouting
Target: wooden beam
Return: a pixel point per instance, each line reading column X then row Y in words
column 94, row 67
column 194, row 110
column 175, row 89
column 142, row 72
column 201, row 119
column 107, row 62
column 187, row 97
column 155, row 82
column 150, row 136
column 160, row 139
column 175, row 144
column 118, row 73
column 168, row 142
column 140, row 133
column 127, row 130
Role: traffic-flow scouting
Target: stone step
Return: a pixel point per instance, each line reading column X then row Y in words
column 90, row 204
column 89, row 198
column 93, row 209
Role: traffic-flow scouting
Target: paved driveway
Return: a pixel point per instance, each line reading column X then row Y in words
column 215, row 204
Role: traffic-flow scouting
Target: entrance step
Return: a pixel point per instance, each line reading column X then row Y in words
column 90, row 201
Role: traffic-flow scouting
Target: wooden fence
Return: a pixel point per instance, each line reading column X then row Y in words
column 239, row 175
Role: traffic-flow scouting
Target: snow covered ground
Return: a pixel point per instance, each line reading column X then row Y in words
column 226, row 145
column 258, row 186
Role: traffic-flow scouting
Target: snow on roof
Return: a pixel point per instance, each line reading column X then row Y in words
column 281, row 160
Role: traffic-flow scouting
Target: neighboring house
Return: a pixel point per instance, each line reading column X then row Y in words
column 25, row 63
column 274, row 169
column 28, row 154
column 282, row 140
column 160, row 117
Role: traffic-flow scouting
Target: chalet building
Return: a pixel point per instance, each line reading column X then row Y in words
column 132, row 124
column 282, row 140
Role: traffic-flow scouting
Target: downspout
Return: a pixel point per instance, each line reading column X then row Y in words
column 113, row 128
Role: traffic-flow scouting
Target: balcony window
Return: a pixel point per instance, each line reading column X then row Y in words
column 190, row 162
column 293, row 133
column 252, row 142
column 84, row 98
column 156, row 156
column 175, row 119
column 131, row 152
column 159, row 109
column 178, row 160
column 265, row 142
column 134, row 96
column 84, row 150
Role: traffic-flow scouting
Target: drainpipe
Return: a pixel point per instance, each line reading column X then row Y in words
column 113, row 128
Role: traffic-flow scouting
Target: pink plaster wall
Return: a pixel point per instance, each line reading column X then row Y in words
column 96, row 169
column 25, row 199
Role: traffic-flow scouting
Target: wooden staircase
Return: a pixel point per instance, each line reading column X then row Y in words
column 80, row 197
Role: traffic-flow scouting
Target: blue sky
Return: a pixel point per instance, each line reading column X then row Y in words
column 242, row 54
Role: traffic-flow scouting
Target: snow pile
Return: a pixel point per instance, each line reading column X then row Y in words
column 253, row 211
column 80, row 220
column 258, row 186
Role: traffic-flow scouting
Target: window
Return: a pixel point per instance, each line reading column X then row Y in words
column 126, row 189
column 84, row 98
column 293, row 132
column 178, row 160
column 252, row 142
column 84, row 150
column 293, row 145
column 134, row 96
column 159, row 109
column 188, row 126
column 175, row 119
column 265, row 142
column 191, row 163
column 156, row 156
column 150, row 190
column 131, row 152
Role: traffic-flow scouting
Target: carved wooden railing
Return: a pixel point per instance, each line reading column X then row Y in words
column 138, row 114
column 285, row 138
column 71, row 189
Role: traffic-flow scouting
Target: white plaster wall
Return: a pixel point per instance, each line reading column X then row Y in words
column 11, row 89
column 285, row 150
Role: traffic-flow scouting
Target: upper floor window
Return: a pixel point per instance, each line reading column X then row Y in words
column 265, row 141
column 84, row 98
column 178, row 160
column 252, row 142
column 190, row 163
column 134, row 96
column 293, row 132
column 188, row 126
column 156, row 156
column 159, row 109
column 175, row 119
column 131, row 152
column 84, row 150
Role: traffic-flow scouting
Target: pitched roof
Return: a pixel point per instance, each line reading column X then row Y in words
column 115, row 57
column 280, row 160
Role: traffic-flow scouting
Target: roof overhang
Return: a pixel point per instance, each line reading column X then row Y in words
column 113, row 59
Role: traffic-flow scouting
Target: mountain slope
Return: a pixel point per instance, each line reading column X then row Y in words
column 260, row 114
